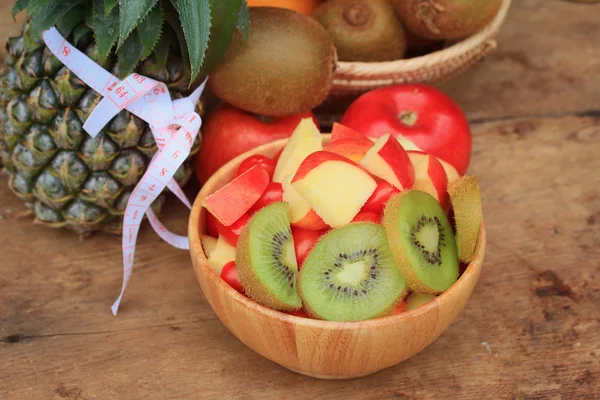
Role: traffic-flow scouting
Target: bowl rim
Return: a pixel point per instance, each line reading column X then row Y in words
column 196, row 250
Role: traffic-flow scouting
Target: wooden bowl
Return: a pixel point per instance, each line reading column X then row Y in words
column 352, row 78
column 323, row 349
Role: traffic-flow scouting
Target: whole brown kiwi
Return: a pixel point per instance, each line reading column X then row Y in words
column 446, row 19
column 363, row 30
column 285, row 67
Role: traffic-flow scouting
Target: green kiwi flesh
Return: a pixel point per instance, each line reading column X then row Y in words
column 415, row 300
column 363, row 30
column 266, row 261
column 446, row 19
column 465, row 197
column 350, row 275
column 422, row 241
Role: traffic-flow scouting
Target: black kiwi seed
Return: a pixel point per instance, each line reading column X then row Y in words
column 431, row 258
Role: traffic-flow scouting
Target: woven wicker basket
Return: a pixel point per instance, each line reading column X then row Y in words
column 351, row 78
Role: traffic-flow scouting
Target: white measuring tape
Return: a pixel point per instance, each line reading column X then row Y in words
column 149, row 100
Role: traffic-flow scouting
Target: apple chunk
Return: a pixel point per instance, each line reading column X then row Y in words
column 354, row 149
column 301, row 213
column 222, row 253
column 209, row 244
column 234, row 199
column 334, row 186
column 305, row 140
column 451, row 172
column 340, row 131
column 430, row 176
column 389, row 161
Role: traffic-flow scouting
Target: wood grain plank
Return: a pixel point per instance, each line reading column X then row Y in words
column 528, row 332
column 546, row 64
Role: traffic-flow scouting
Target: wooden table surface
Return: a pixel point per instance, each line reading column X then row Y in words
column 531, row 330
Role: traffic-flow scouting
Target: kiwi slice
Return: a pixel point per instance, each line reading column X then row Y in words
column 363, row 30
column 415, row 300
column 421, row 240
column 465, row 198
column 266, row 260
column 350, row 275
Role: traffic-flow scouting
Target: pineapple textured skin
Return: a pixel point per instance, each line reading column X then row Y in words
column 69, row 179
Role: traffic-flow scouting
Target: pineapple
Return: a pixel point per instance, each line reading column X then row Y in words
column 66, row 177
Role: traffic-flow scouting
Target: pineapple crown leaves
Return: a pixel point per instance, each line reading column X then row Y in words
column 137, row 29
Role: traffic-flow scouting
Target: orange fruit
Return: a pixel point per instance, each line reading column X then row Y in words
column 304, row 6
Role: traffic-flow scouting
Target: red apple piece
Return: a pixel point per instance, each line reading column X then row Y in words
column 221, row 255
column 379, row 198
column 334, row 186
column 273, row 193
column 304, row 241
column 354, row 149
column 451, row 172
column 267, row 163
column 430, row 176
column 389, row 161
column 305, row 140
column 234, row 199
column 367, row 216
column 340, row 131
column 301, row 213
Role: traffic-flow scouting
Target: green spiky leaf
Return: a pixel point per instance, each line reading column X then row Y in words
column 70, row 20
column 109, row 5
column 131, row 13
column 19, row 6
column 195, row 22
column 130, row 54
column 150, row 30
column 243, row 22
column 224, row 18
column 51, row 14
column 161, row 50
column 34, row 6
column 80, row 32
column 106, row 29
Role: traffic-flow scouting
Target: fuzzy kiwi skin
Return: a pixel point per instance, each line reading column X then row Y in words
column 286, row 67
column 365, row 30
column 465, row 197
column 311, row 313
column 446, row 19
column 252, row 285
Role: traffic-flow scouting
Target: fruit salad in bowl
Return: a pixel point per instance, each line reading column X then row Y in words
column 324, row 238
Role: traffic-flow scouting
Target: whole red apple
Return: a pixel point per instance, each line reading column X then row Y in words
column 420, row 116
column 229, row 132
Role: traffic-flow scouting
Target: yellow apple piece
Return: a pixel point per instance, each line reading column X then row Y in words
column 354, row 149
column 389, row 161
column 451, row 172
column 301, row 213
column 334, row 186
column 221, row 255
column 305, row 140
column 209, row 244
column 430, row 176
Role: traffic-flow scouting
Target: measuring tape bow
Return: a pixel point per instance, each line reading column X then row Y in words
column 149, row 100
